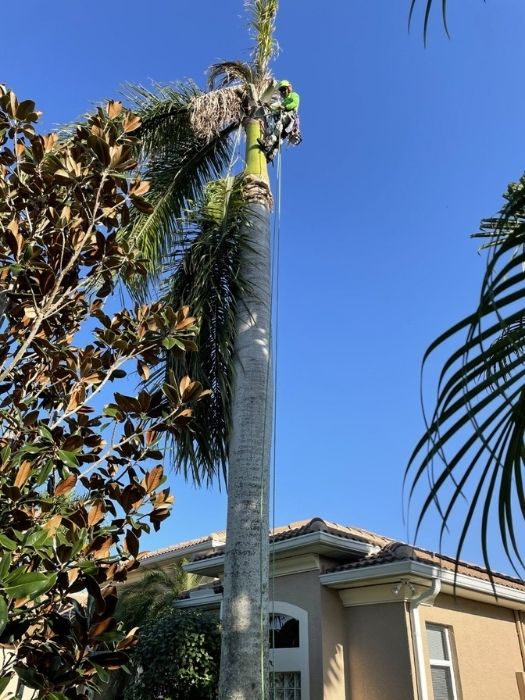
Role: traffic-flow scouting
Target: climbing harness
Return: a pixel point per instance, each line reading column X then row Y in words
column 279, row 126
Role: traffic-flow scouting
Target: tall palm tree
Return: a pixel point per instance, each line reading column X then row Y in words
column 213, row 227
column 473, row 450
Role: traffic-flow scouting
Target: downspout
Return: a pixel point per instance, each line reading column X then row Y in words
column 417, row 639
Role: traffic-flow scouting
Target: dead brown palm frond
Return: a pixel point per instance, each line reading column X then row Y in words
column 212, row 112
column 229, row 72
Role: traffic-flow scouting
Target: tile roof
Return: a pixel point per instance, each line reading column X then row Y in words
column 390, row 550
column 181, row 546
column 400, row 551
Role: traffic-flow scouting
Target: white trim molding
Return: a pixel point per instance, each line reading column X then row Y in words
column 417, row 574
column 293, row 659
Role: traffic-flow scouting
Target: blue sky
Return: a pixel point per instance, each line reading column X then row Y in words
column 405, row 150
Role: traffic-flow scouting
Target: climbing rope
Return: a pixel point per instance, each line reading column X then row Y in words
column 275, row 339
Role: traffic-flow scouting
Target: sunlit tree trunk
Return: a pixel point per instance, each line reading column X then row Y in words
column 244, row 650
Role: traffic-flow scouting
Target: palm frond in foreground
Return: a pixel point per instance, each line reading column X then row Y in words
column 480, row 409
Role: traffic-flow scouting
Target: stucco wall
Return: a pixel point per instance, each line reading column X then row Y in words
column 486, row 644
column 334, row 636
column 378, row 653
column 326, row 631
column 304, row 590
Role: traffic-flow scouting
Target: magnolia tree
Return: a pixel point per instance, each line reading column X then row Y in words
column 80, row 481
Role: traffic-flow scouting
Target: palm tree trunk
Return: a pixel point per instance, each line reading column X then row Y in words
column 244, row 650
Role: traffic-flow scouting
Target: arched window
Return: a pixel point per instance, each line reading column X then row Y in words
column 289, row 652
column 284, row 631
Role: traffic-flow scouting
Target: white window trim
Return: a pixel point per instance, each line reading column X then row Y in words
column 444, row 663
column 294, row 659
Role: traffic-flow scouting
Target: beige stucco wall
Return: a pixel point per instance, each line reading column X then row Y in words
column 486, row 644
column 378, row 652
column 325, row 631
column 333, row 641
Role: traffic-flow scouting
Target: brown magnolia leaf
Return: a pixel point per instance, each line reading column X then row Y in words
column 49, row 142
column 115, row 154
column 131, row 122
column 129, row 640
column 100, row 627
column 192, row 392
column 185, row 323
column 53, row 524
column 24, row 109
column 93, row 378
column 13, row 104
column 143, row 370
column 141, row 204
column 151, row 436
column 19, row 148
column 132, row 543
column 153, row 478
column 101, row 547
column 140, row 187
column 78, row 396
column 114, row 109
column 66, row 485
column 23, row 474
column 184, row 384
column 72, row 575
column 96, row 513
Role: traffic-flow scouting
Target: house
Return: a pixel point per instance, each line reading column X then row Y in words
column 358, row 616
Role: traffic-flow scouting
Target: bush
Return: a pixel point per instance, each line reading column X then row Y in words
column 177, row 657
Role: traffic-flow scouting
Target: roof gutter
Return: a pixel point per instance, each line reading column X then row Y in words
column 427, row 596
column 452, row 583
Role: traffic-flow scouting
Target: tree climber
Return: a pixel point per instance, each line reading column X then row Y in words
column 286, row 121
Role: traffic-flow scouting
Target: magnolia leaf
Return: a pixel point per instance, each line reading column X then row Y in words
column 143, row 370
column 66, row 485
column 141, row 204
column 4, row 682
column 184, row 384
column 53, row 524
column 101, row 627
column 131, row 122
column 96, row 513
column 132, row 543
column 23, row 584
column 23, row 474
column 4, row 614
column 153, row 479
column 129, row 640
column 114, row 109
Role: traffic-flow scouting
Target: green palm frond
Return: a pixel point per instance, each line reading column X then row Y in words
column 207, row 279
column 141, row 601
column 426, row 20
column 178, row 164
column 262, row 25
column 480, row 409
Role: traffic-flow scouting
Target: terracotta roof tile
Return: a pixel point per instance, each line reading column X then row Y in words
column 181, row 546
column 400, row 551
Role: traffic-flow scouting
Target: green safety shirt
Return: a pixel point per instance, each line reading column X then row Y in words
column 291, row 102
column 287, row 103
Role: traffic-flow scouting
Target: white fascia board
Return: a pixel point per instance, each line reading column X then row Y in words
column 311, row 541
column 201, row 601
column 181, row 553
column 461, row 584
column 341, row 579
